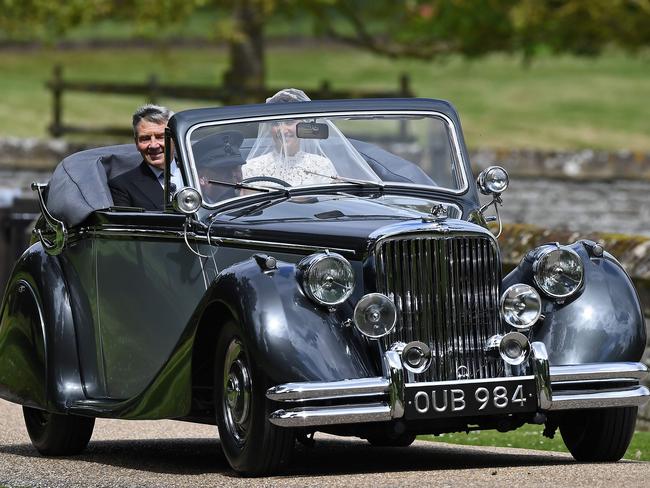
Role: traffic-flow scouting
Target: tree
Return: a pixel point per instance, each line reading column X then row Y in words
column 423, row 29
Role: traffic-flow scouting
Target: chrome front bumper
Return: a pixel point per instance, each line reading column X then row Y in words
column 595, row 385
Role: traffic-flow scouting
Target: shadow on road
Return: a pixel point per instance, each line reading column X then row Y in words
column 329, row 457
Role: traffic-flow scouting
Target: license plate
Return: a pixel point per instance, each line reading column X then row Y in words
column 470, row 398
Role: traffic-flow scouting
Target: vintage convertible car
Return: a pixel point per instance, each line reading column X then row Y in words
column 327, row 266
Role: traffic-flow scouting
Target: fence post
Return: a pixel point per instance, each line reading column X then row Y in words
column 405, row 92
column 325, row 90
column 405, row 85
column 153, row 89
column 56, row 128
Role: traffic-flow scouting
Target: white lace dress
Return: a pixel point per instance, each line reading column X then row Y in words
column 300, row 169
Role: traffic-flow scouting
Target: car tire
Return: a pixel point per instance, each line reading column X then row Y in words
column 252, row 445
column 55, row 434
column 598, row 435
column 385, row 440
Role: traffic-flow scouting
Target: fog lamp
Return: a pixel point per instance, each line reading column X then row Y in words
column 187, row 200
column 375, row 315
column 558, row 272
column 493, row 180
column 514, row 348
column 521, row 306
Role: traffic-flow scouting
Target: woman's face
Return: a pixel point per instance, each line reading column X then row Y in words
column 284, row 134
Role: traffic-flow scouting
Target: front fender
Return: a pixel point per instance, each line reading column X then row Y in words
column 604, row 323
column 288, row 335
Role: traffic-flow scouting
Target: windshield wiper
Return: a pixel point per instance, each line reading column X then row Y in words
column 348, row 180
column 245, row 186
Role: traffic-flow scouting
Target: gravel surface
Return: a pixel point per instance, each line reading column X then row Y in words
column 177, row 454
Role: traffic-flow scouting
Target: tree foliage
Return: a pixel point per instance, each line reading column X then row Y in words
column 423, row 29
column 428, row 29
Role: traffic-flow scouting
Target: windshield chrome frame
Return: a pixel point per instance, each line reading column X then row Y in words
column 188, row 156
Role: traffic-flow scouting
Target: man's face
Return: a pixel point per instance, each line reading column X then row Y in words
column 150, row 141
column 284, row 133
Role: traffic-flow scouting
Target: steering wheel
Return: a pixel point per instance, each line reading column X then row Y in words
column 270, row 179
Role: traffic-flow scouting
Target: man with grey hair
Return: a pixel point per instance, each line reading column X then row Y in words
column 143, row 186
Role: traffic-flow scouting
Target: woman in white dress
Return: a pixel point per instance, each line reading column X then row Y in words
column 279, row 152
column 288, row 161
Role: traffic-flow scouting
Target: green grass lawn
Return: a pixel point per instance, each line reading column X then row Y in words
column 530, row 437
column 556, row 103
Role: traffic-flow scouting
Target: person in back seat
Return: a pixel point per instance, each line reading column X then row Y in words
column 219, row 160
column 143, row 186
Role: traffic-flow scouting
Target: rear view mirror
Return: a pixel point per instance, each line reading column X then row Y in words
column 312, row 130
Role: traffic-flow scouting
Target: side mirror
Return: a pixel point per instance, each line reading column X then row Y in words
column 187, row 200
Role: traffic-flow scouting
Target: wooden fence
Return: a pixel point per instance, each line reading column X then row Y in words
column 153, row 90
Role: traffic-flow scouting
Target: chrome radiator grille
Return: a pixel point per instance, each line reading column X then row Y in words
column 446, row 293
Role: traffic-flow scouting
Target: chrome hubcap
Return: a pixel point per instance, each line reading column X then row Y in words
column 237, row 398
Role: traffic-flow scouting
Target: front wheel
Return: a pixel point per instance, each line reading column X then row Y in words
column 598, row 435
column 55, row 434
column 252, row 445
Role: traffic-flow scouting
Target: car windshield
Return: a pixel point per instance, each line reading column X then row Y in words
column 236, row 159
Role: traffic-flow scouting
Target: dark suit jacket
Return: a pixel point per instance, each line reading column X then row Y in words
column 137, row 188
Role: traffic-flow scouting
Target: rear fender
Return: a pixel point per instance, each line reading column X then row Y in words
column 39, row 366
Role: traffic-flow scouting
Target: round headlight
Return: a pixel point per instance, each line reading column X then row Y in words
column 187, row 200
column 558, row 272
column 521, row 306
column 493, row 180
column 327, row 278
column 375, row 315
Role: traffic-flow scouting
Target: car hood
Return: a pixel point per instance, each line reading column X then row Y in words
column 336, row 221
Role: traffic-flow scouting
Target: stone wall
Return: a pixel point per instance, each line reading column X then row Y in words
column 581, row 191
column 585, row 164
column 618, row 206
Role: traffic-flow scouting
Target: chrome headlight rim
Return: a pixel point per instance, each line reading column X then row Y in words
column 487, row 184
column 306, row 267
column 383, row 303
column 536, row 271
column 187, row 200
column 521, row 341
column 537, row 314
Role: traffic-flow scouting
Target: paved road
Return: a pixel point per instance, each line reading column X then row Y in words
column 176, row 454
